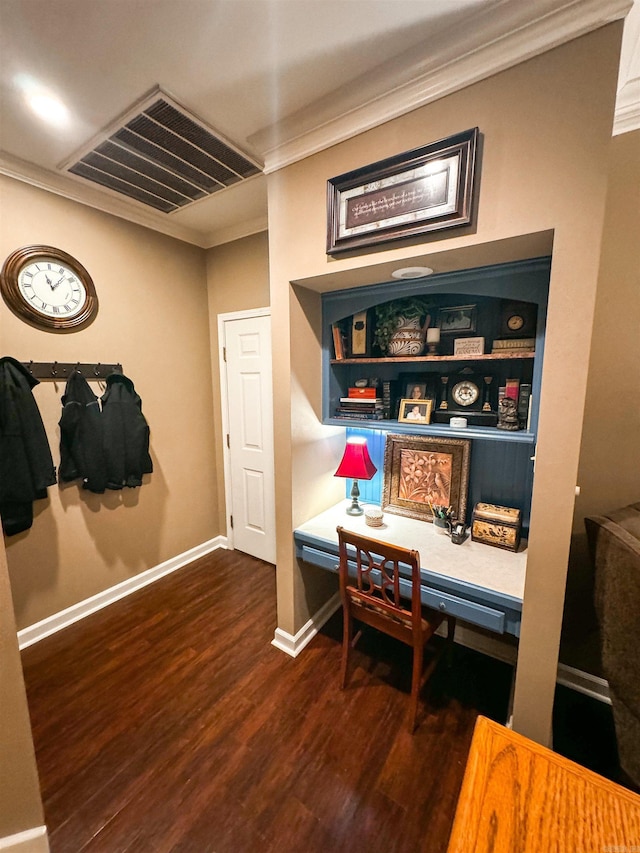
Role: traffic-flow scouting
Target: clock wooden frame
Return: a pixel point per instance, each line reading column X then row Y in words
column 17, row 304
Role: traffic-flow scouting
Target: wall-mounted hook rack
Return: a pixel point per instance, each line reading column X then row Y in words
column 60, row 370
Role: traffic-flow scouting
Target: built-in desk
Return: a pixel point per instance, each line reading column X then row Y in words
column 473, row 582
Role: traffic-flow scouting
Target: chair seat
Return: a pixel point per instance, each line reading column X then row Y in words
column 427, row 626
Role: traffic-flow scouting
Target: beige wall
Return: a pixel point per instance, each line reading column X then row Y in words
column 540, row 171
column 20, row 803
column 237, row 280
column 153, row 319
column 609, row 472
column 154, row 293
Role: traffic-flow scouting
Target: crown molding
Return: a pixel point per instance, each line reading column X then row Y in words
column 627, row 115
column 448, row 73
column 63, row 186
column 236, row 232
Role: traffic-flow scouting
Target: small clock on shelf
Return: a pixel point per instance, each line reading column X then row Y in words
column 465, row 397
column 465, row 393
column 518, row 320
column 49, row 289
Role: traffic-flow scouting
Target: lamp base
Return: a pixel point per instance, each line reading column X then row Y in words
column 355, row 508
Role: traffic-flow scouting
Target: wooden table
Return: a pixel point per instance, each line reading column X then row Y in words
column 519, row 797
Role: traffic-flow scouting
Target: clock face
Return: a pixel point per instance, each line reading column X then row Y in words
column 465, row 393
column 51, row 288
column 48, row 289
column 515, row 322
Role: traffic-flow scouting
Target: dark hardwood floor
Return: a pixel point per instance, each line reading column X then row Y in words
column 168, row 722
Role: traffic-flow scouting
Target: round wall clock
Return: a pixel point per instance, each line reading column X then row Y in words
column 48, row 289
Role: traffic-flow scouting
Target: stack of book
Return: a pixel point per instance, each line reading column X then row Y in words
column 361, row 404
column 389, row 398
column 511, row 345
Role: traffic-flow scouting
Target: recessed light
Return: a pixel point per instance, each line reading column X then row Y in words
column 43, row 102
column 48, row 108
column 412, row 272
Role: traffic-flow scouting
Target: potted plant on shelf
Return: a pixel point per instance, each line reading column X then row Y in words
column 401, row 325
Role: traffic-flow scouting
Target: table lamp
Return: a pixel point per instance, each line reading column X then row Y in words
column 357, row 465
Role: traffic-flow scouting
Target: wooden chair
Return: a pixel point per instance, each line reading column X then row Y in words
column 376, row 593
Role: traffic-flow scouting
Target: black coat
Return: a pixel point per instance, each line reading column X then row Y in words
column 126, row 434
column 26, row 466
column 81, row 436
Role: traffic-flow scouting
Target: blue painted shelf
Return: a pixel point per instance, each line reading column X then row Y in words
column 501, row 460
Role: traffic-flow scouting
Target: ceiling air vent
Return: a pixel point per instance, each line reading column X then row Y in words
column 162, row 156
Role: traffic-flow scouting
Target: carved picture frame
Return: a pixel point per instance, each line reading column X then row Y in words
column 423, row 471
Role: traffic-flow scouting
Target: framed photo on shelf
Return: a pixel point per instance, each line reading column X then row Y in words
column 421, row 471
column 417, row 386
column 458, row 319
column 416, row 390
column 415, row 411
column 425, row 189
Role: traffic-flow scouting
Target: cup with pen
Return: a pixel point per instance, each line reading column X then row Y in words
column 442, row 518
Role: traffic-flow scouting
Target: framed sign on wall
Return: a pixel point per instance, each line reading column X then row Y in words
column 426, row 189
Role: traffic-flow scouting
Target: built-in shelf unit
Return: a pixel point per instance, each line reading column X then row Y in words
column 501, row 461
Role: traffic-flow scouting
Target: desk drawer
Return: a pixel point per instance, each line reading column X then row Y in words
column 470, row 611
column 318, row 558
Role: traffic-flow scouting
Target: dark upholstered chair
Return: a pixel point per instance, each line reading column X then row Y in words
column 370, row 588
column 614, row 543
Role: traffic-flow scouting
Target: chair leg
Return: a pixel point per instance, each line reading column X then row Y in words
column 416, row 679
column 451, row 630
column 346, row 645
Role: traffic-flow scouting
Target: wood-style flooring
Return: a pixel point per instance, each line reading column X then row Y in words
column 168, row 722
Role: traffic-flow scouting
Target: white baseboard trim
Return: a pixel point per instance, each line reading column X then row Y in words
column 34, row 633
column 568, row 676
column 30, row 841
column 584, row 682
column 293, row 644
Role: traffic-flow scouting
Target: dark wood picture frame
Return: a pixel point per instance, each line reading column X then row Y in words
column 426, row 189
column 421, row 471
column 426, row 383
column 458, row 319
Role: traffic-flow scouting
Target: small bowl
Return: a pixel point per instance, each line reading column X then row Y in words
column 373, row 516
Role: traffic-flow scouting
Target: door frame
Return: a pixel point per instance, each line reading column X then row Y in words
column 224, row 404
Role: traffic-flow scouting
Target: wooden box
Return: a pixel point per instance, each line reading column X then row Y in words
column 496, row 525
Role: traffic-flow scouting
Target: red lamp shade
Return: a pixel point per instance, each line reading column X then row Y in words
column 356, row 462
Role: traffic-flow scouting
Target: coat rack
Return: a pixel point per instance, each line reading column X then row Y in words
column 60, row 370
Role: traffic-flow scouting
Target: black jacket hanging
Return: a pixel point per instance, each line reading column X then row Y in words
column 81, row 436
column 26, row 466
column 126, row 434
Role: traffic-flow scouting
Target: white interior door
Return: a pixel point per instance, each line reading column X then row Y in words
column 250, row 491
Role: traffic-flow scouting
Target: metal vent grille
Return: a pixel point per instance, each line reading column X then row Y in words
column 163, row 157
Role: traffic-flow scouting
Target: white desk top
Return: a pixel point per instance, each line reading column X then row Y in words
column 472, row 562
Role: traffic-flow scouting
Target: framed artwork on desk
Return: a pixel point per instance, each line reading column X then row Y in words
column 423, row 471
